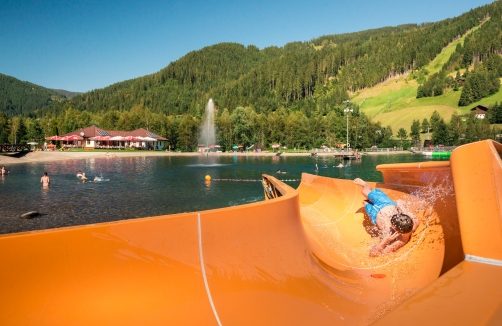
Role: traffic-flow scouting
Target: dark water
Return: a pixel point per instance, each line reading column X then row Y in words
column 150, row 186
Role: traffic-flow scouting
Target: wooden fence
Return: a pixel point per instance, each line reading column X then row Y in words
column 15, row 148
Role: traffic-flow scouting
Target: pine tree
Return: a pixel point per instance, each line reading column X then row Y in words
column 466, row 96
column 440, row 135
column 415, row 131
column 435, row 119
column 425, row 126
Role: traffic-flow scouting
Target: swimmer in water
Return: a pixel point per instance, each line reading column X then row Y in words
column 340, row 165
column 45, row 180
column 79, row 174
column 395, row 227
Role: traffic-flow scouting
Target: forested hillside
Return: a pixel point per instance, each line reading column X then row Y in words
column 22, row 98
column 66, row 94
column 293, row 95
column 308, row 76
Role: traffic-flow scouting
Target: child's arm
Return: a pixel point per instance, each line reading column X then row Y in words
column 379, row 248
column 384, row 247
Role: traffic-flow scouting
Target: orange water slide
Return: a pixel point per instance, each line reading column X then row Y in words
column 300, row 258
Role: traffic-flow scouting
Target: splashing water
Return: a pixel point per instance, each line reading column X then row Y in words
column 438, row 191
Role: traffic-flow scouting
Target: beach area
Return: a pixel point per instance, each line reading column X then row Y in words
column 49, row 156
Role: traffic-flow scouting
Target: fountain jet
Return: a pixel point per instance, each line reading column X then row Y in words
column 207, row 133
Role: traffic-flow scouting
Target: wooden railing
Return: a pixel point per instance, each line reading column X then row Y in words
column 15, row 148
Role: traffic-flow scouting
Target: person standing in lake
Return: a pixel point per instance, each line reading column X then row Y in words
column 45, row 180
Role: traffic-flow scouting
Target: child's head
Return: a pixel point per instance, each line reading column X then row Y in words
column 402, row 223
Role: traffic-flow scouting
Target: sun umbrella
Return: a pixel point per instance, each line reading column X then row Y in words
column 54, row 138
column 74, row 137
column 32, row 143
column 101, row 138
column 119, row 138
column 235, row 147
column 276, row 146
column 147, row 139
column 132, row 138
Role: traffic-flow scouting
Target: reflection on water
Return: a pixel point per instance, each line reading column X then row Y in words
column 150, row 186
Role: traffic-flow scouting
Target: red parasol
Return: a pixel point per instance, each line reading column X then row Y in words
column 131, row 138
column 74, row 137
column 54, row 138
column 101, row 138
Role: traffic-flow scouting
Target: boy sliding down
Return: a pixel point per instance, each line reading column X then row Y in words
column 395, row 227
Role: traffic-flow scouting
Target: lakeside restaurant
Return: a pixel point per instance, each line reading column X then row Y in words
column 93, row 137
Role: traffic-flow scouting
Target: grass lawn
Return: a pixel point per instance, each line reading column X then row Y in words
column 404, row 118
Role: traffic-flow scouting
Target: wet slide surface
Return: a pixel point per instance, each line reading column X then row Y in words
column 300, row 259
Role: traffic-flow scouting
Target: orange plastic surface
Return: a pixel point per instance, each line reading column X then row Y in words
column 470, row 292
column 299, row 259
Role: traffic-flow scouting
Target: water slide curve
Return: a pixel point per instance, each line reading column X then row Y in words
column 301, row 257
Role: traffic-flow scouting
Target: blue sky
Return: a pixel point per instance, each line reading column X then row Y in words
column 80, row 45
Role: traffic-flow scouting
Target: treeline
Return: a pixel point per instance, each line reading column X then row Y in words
column 460, row 130
column 494, row 115
column 481, row 82
column 482, row 49
column 436, row 85
column 480, row 44
column 245, row 126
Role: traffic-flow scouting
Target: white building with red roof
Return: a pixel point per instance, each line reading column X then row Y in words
column 95, row 137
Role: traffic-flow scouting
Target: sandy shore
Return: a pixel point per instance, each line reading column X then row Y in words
column 34, row 157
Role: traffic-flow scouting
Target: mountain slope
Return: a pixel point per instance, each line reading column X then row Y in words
column 19, row 97
column 394, row 102
column 314, row 77
column 309, row 76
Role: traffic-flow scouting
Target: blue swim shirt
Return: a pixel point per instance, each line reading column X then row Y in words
column 378, row 201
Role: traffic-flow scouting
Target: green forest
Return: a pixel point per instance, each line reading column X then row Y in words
column 294, row 95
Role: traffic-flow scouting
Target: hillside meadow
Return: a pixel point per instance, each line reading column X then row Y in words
column 394, row 102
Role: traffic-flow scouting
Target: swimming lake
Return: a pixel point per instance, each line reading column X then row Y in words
column 135, row 187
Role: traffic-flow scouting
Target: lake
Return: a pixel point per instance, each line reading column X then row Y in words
column 135, row 187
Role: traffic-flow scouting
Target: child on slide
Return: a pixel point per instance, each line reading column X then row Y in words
column 395, row 227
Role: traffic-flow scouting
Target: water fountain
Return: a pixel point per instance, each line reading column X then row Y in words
column 207, row 133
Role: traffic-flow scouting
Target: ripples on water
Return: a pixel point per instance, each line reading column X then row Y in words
column 150, row 186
